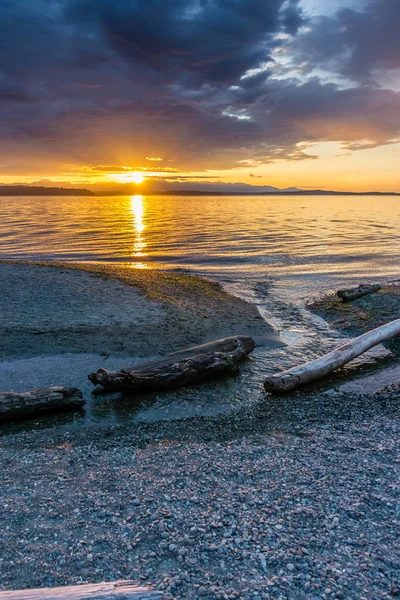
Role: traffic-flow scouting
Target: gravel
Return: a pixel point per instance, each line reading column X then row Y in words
column 304, row 512
column 295, row 498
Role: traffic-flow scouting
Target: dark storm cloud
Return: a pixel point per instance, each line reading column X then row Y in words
column 354, row 43
column 105, row 82
column 314, row 112
column 11, row 93
column 213, row 41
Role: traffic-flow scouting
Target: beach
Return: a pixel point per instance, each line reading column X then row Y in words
column 295, row 498
column 86, row 308
column 61, row 323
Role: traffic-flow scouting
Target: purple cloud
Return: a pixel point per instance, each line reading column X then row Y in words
column 101, row 82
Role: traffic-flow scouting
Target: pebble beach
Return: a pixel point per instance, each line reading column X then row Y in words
column 292, row 504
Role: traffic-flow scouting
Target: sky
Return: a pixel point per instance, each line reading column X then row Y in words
column 282, row 93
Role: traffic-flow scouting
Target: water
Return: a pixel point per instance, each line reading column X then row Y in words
column 295, row 247
column 297, row 238
column 275, row 251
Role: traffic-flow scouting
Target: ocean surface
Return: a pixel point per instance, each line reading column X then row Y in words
column 275, row 251
column 301, row 245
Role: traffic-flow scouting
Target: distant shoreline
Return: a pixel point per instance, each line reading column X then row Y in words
column 22, row 190
column 301, row 193
column 15, row 191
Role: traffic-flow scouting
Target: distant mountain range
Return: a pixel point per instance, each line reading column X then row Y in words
column 27, row 190
column 275, row 193
column 184, row 189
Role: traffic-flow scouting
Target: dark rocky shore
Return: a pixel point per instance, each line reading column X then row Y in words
column 295, row 498
column 355, row 318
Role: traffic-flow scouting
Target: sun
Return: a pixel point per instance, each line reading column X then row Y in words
column 134, row 177
column 137, row 178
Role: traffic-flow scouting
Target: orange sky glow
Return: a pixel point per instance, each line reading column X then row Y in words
column 331, row 167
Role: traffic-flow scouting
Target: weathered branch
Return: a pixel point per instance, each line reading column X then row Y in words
column 125, row 590
column 191, row 365
column 319, row 368
column 354, row 293
column 15, row 406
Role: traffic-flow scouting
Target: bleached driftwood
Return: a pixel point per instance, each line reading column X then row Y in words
column 125, row 590
column 362, row 290
column 319, row 368
column 191, row 365
column 15, row 405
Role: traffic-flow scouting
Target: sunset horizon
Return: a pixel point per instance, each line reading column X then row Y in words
column 325, row 168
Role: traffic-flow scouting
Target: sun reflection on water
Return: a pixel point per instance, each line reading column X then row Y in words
column 139, row 246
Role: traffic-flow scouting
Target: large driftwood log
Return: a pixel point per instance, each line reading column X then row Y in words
column 15, row 406
column 121, row 590
column 224, row 345
column 362, row 290
column 319, row 368
column 191, row 365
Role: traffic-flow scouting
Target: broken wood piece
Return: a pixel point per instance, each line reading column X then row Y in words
column 348, row 295
column 100, row 591
column 319, row 368
column 190, row 365
column 14, row 405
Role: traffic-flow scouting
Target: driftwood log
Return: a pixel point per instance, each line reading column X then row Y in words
column 191, row 365
column 15, row 406
column 362, row 290
column 319, row 368
column 121, row 590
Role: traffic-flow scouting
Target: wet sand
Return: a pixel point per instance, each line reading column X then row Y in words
column 61, row 322
column 107, row 308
